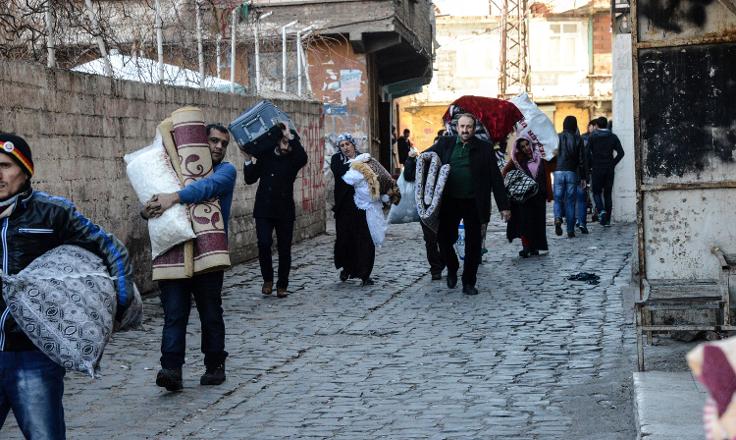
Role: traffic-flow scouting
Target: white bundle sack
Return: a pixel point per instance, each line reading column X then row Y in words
column 536, row 126
column 150, row 172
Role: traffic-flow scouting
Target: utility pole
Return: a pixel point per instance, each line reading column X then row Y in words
column 514, row 73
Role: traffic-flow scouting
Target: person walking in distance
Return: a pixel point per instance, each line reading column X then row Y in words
column 276, row 166
column 570, row 174
column 474, row 174
column 206, row 288
column 602, row 145
column 33, row 223
column 404, row 145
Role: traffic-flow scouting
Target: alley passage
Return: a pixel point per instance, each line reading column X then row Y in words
column 534, row 356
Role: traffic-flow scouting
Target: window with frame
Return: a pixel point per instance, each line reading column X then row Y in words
column 562, row 47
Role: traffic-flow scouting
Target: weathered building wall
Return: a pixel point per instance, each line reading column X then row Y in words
column 340, row 81
column 624, row 186
column 562, row 51
column 424, row 122
column 80, row 126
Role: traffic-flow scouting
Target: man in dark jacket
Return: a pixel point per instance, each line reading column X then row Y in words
column 404, row 145
column 571, row 172
column 277, row 164
column 602, row 145
column 467, row 196
column 32, row 385
column 205, row 288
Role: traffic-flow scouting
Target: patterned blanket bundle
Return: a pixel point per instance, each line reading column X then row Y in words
column 185, row 140
column 64, row 301
column 431, row 179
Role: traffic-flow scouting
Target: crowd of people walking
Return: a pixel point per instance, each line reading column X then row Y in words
column 363, row 190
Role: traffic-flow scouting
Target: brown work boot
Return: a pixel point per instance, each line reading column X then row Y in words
column 267, row 288
column 281, row 292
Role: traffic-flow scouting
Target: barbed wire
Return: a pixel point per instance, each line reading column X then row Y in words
column 195, row 36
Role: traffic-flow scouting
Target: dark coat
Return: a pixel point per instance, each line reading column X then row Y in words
column 484, row 173
column 410, row 169
column 343, row 192
column 529, row 218
column 602, row 144
column 277, row 173
column 41, row 222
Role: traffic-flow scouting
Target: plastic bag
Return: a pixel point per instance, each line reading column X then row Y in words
column 536, row 126
column 150, row 172
column 406, row 210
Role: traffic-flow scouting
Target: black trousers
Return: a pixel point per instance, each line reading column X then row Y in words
column 284, row 234
column 452, row 211
column 603, row 187
column 176, row 299
column 434, row 258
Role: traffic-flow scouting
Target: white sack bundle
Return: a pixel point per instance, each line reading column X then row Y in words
column 536, row 126
column 150, row 172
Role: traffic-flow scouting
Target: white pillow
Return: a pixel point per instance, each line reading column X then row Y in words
column 150, row 172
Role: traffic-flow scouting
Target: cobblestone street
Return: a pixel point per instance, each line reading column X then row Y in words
column 534, row 356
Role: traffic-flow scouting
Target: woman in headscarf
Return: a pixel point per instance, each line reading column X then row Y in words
column 528, row 218
column 354, row 249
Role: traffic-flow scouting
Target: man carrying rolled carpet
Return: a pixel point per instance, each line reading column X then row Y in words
column 32, row 223
column 206, row 287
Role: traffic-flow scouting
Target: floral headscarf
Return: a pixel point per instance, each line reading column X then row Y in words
column 346, row 137
column 532, row 164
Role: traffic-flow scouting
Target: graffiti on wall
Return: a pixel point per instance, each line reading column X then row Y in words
column 313, row 186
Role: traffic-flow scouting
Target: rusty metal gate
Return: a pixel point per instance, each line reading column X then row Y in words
column 684, row 72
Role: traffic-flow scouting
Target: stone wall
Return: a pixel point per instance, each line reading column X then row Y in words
column 80, row 126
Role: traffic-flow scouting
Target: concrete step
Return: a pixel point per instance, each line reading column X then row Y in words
column 668, row 406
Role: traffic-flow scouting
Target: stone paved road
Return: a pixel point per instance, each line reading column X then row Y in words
column 533, row 357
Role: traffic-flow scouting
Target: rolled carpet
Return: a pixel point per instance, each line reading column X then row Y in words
column 193, row 161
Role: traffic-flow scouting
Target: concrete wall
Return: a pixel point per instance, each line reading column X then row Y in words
column 80, row 126
column 624, row 187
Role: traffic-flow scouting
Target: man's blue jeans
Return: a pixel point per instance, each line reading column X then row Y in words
column 176, row 299
column 564, row 190
column 32, row 385
column 581, row 205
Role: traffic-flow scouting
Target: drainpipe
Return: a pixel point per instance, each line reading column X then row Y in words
column 51, row 51
column 591, row 64
column 283, row 54
column 233, row 35
column 299, row 56
column 200, row 50
column 257, row 50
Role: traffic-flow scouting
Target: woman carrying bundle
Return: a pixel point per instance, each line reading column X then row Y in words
column 528, row 214
column 354, row 250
